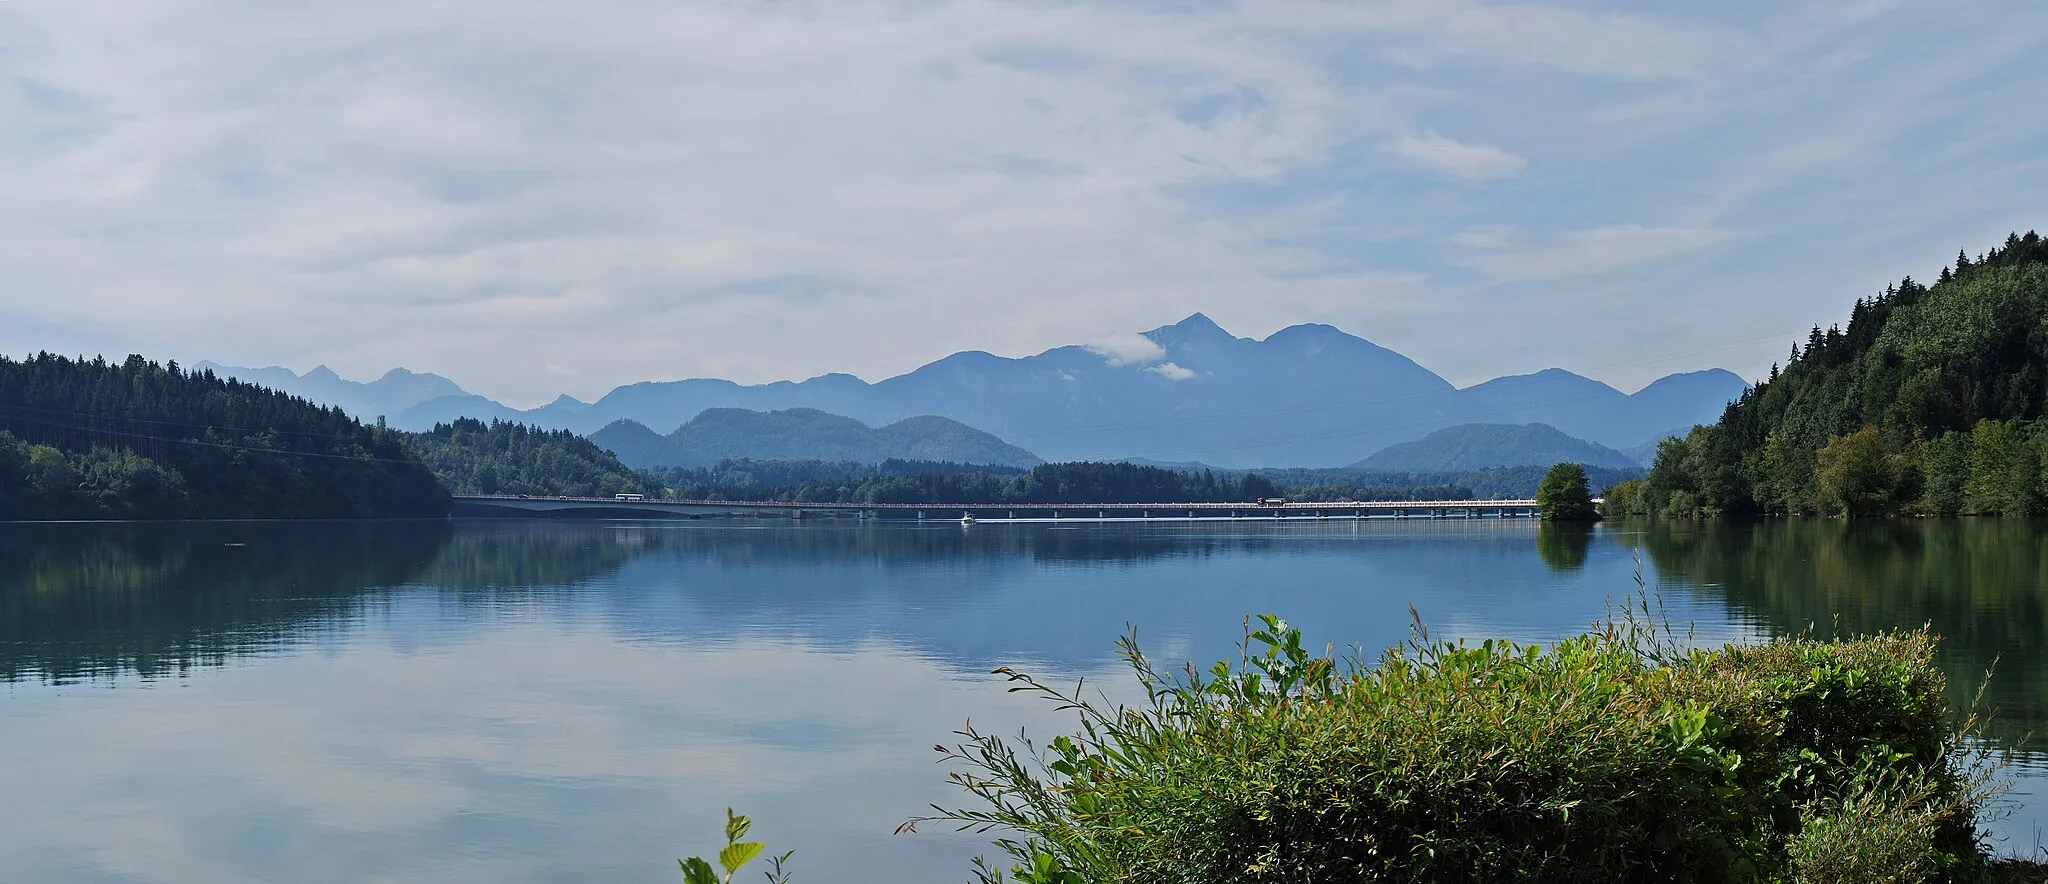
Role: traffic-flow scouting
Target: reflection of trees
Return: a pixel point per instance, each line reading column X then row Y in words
column 527, row 555
column 78, row 601
column 83, row 600
column 533, row 553
column 1564, row 545
column 1981, row 584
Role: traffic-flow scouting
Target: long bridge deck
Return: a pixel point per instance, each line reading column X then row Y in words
column 502, row 505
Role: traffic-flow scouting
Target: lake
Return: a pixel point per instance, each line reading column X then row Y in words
column 580, row 701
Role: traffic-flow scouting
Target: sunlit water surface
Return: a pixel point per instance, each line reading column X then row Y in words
column 567, row 701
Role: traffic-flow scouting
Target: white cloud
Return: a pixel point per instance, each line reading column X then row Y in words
column 1126, row 348
column 1578, row 252
column 1472, row 162
column 1171, row 371
column 651, row 190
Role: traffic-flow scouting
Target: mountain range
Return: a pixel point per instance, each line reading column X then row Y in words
column 1307, row 395
column 804, row 434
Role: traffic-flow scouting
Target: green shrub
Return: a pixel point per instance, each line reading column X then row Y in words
column 1591, row 760
column 1883, row 831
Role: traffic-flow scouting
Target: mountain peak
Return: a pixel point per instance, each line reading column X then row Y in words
column 1198, row 331
column 322, row 372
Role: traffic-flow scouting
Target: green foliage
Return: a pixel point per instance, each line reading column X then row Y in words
column 1625, row 499
column 1604, row 757
column 1859, row 476
column 508, row 458
column 1562, row 496
column 139, row 440
column 1883, row 830
column 1931, row 400
column 734, row 856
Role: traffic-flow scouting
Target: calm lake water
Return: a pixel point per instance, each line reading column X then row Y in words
column 533, row 701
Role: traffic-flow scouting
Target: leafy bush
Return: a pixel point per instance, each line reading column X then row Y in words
column 734, row 856
column 1597, row 759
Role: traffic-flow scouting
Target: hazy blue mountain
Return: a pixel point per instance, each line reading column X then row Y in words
column 1594, row 411
column 805, row 434
column 1308, row 395
column 395, row 392
column 1645, row 453
column 635, row 445
column 447, row 409
column 1477, row 446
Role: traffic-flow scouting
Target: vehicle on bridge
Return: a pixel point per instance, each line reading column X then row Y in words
column 629, row 496
column 1272, row 501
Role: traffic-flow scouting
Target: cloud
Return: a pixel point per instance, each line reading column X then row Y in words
column 1171, row 371
column 1578, row 252
column 1471, row 162
column 777, row 190
column 1126, row 348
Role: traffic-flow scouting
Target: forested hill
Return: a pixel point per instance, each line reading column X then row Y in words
column 509, row 458
column 1930, row 400
column 1478, row 446
column 94, row 440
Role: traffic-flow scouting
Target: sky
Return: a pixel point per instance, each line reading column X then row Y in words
column 542, row 198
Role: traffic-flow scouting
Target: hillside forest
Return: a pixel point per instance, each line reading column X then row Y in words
column 1929, row 402
column 139, row 440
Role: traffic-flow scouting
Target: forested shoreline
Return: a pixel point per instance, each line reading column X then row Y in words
column 137, row 439
column 1930, row 402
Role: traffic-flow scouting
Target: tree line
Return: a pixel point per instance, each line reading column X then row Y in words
column 92, row 439
column 940, row 483
column 472, row 457
column 1931, row 401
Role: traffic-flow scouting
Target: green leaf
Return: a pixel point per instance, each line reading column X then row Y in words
column 738, row 854
column 736, row 825
column 697, row 871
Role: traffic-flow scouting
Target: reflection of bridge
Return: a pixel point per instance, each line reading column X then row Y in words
column 609, row 507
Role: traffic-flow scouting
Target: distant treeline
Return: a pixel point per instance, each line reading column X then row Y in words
column 1933, row 400
column 1489, row 483
column 898, row 481
column 140, row 440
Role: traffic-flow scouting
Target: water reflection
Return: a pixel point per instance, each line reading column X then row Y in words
column 78, row 601
column 1983, row 584
column 1564, row 546
column 579, row 701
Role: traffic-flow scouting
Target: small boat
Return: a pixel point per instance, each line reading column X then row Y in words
column 967, row 519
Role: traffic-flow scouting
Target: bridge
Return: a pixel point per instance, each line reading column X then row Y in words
column 520, row 506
